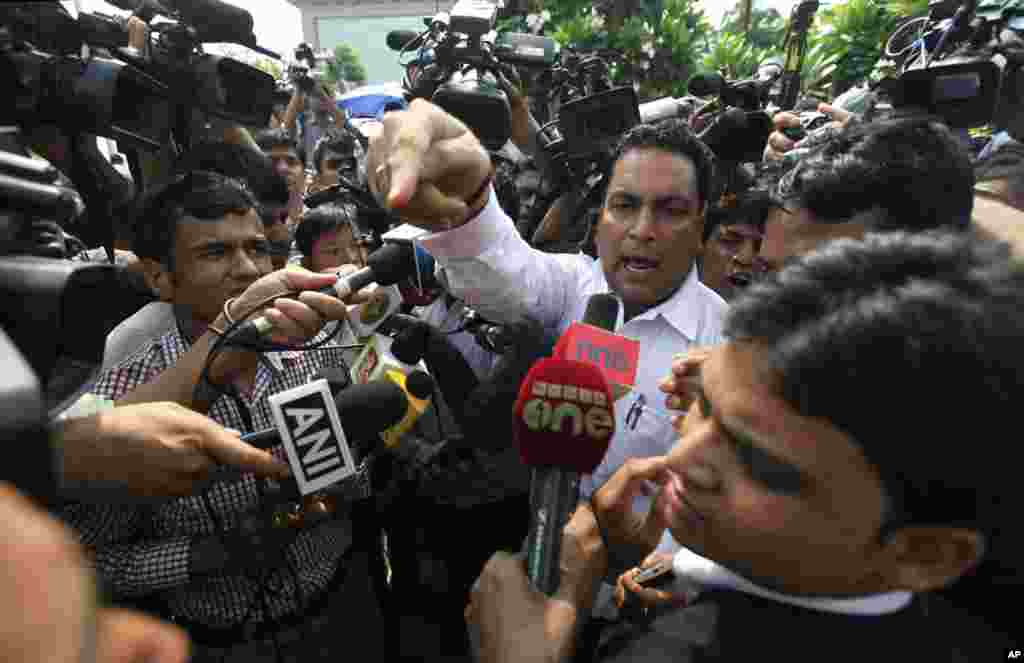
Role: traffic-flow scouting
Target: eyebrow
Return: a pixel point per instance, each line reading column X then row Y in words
column 777, row 474
column 220, row 244
column 663, row 200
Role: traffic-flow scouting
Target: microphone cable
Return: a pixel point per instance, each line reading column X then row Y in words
column 264, row 588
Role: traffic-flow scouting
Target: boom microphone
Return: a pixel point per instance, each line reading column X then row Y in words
column 386, row 266
column 563, row 426
column 404, row 40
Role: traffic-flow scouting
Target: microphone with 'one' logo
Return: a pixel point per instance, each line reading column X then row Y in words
column 563, row 426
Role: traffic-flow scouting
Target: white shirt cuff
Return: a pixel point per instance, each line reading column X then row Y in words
column 470, row 239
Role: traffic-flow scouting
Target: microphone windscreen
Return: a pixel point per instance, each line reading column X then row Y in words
column 563, row 417
column 404, row 40
column 392, row 262
column 420, row 384
column 216, row 21
column 410, row 343
column 706, row 84
column 365, row 410
column 602, row 311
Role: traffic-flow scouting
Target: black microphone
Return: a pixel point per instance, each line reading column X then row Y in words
column 404, row 40
column 717, row 133
column 454, row 376
column 215, row 21
column 488, row 408
column 387, row 265
column 365, row 410
column 706, row 84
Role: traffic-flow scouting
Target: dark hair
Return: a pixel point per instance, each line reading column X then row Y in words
column 316, row 222
column 751, row 208
column 241, row 163
column 335, row 141
column 913, row 169
column 199, row 194
column 268, row 139
column 1006, row 163
column 910, row 344
column 673, row 136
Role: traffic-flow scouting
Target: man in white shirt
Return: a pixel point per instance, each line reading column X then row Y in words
column 429, row 167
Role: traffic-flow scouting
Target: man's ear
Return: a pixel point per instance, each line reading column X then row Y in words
column 159, row 278
column 927, row 558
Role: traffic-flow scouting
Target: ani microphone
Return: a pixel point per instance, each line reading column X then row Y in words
column 563, row 426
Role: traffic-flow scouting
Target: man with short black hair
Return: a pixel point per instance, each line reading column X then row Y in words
column 337, row 155
column 205, row 251
column 910, row 175
column 821, row 488
column 289, row 160
column 648, row 236
column 733, row 230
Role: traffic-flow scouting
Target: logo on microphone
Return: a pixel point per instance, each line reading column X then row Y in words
column 555, row 406
column 307, row 419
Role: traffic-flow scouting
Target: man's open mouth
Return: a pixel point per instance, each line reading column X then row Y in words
column 640, row 264
column 740, row 279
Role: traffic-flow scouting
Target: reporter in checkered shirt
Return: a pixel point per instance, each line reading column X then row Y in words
column 202, row 243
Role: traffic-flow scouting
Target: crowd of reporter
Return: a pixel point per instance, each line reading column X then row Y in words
column 814, row 441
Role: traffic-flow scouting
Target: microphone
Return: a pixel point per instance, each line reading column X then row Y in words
column 315, row 426
column 487, row 408
column 419, row 389
column 706, row 84
column 215, row 21
column 386, row 266
column 416, row 341
column 404, row 40
column 592, row 341
column 563, row 426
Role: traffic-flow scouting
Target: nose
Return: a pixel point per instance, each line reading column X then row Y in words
column 746, row 253
column 245, row 267
column 697, row 459
column 643, row 224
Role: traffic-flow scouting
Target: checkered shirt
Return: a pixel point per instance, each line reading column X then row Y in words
column 143, row 551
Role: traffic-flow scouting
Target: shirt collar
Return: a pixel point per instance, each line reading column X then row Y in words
column 694, row 572
column 682, row 310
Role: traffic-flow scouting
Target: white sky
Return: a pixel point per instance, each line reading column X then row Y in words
column 278, row 24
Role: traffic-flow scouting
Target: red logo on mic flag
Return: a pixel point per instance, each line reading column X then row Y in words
column 563, row 417
column 616, row 356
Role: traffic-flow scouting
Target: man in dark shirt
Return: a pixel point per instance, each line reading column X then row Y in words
column 822, row 488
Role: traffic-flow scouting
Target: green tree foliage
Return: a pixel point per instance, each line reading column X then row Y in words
column 855, row 31
column 767, row 26
column 345, row 66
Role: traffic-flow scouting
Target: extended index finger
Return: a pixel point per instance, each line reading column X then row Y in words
column 228, row 449
column 414, row 132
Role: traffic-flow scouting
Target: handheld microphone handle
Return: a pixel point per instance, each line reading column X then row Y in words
column 555, row 493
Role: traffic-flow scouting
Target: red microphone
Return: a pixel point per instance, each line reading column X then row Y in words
column 564, row 422
column 592, row 341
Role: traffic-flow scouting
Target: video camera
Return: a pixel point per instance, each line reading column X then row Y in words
column 135, row 96
column 468, row 63
column 304, row 74
column 740, row 127
column 966, row 67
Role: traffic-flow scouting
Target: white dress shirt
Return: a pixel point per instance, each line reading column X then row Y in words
column 491, row 268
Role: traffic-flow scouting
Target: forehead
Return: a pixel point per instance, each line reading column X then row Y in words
column 795, row 232
column 233, row 227
column 283, row 152
column 741, row 387
column 653, row 171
